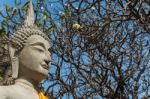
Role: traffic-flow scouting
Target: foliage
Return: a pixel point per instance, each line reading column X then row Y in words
column 106, row 55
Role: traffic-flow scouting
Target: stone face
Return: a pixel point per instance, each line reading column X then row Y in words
column 34, row 58
column 34, row 61
column 30, row 58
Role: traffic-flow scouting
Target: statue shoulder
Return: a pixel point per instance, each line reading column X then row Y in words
column 7, row 92
column 3, row 93
column 15, row 92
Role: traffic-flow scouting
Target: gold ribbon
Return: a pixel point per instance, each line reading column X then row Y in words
column 41, row 95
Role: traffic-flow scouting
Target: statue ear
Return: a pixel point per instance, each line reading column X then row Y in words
column 14, row 61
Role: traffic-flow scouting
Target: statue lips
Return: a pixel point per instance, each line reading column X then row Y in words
column 45, row 66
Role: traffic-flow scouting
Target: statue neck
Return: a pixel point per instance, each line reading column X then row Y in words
column 27, row 83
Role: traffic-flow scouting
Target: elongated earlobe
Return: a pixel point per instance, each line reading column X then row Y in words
column 14, row 62
column 15, row 67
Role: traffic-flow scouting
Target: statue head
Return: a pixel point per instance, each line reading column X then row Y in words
column 29, row 50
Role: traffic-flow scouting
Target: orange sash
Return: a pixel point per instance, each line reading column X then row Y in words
column 41, row 95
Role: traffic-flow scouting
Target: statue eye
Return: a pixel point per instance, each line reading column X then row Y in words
column 39, row 48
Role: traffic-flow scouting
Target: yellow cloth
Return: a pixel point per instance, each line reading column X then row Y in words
column 41, row 95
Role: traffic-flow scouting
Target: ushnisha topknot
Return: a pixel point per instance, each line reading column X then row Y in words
column 27, row 29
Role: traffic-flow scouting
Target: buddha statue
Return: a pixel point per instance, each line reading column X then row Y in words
column 30, row 58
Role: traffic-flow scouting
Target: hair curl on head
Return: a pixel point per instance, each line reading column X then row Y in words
column 19, row 39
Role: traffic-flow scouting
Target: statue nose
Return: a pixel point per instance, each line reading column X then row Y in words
column 47, row 58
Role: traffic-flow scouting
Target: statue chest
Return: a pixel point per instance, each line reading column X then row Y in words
column 17, row 92
column 26, row 93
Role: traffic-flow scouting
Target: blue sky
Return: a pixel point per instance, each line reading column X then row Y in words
column 6, row 2
column 11, row 3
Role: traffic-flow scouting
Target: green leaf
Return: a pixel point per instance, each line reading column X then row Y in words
column 38, row 25
column 43, row 17
column 46, row 14
column 25, row 7
column 5, row 20
column 2, row 32
column 10, row 10
column 1, row 78
column 6, row 6
column 63, row 16
column 68, row 12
